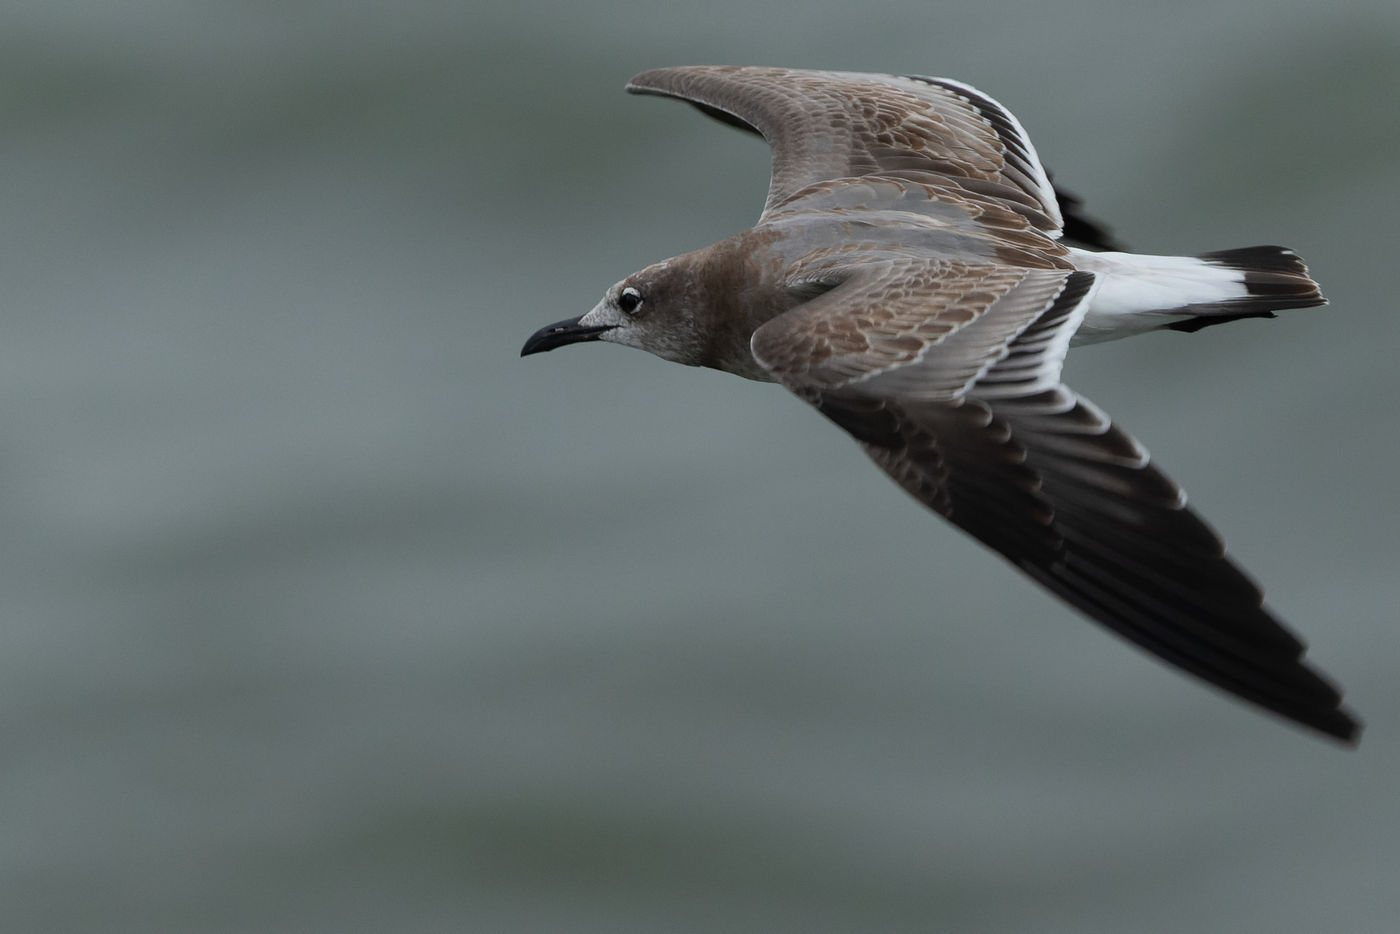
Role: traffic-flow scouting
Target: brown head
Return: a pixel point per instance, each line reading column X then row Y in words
column 699, row 309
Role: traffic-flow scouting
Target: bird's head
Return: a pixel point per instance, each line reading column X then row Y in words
column 656, row 310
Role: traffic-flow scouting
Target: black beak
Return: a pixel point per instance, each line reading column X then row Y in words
column 560, row 333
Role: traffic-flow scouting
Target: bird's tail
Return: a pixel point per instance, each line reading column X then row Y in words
column 1186, row 293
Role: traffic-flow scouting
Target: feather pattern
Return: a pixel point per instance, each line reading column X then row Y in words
column 907, row 279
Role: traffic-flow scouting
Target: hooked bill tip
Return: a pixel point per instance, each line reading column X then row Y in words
column 560, row 333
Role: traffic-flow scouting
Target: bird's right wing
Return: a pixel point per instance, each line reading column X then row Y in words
column 949, row 377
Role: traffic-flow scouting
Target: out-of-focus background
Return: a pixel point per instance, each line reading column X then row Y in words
column 323, row 611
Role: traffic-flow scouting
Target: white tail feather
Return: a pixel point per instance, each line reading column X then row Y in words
column 1139, row 293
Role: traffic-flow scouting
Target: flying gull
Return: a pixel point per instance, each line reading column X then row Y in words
column 909, row 278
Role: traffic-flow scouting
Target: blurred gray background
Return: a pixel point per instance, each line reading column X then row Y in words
column 322, row 611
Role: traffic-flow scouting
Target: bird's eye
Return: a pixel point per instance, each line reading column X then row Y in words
column 629, row 300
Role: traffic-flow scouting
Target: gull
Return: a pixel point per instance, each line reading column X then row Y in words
column 909, row 278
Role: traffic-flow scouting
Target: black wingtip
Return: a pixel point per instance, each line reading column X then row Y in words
column 1079, row 227
column 1339, row 724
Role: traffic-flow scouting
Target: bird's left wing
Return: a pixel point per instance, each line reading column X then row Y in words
column 949, row 377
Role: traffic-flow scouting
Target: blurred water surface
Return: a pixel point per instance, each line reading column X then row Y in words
column 323, row 611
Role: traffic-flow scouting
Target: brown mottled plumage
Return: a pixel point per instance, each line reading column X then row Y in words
column 908, row 278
